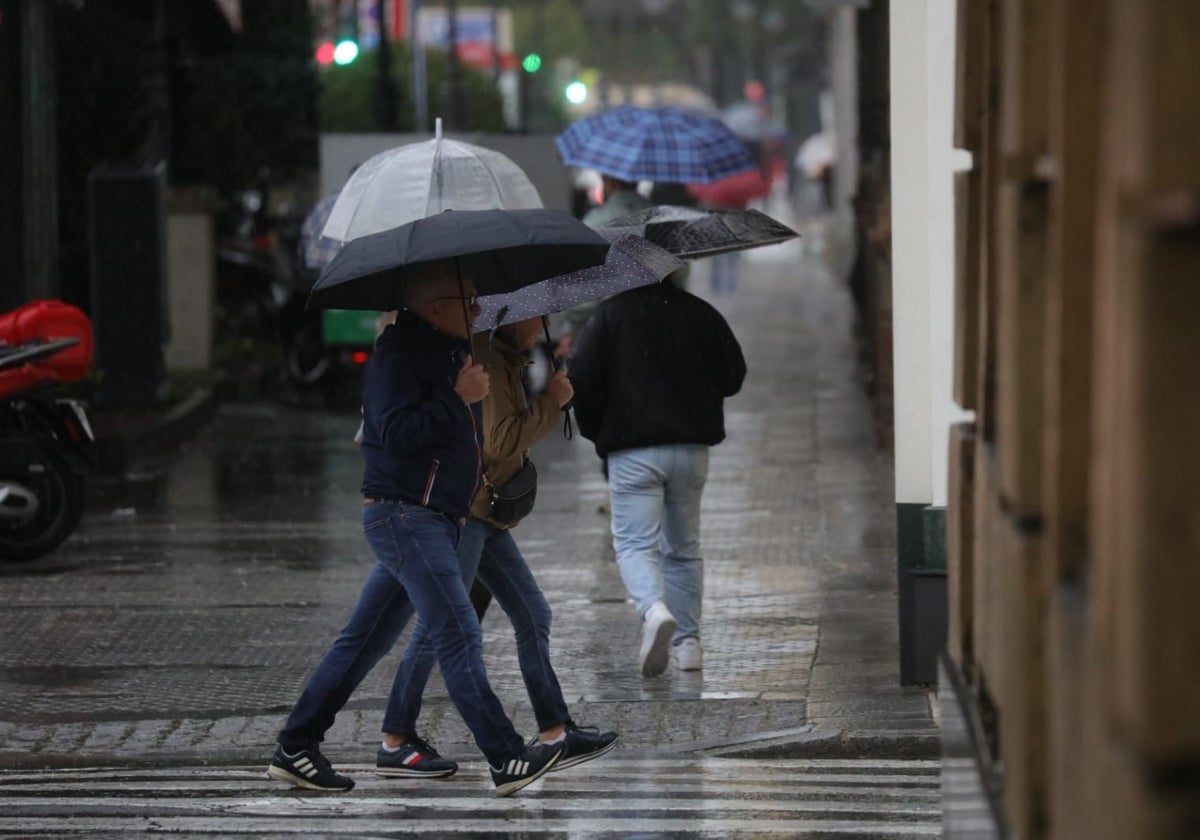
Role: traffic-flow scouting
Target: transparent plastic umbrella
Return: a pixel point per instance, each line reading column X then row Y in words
column 315, row 249
column 424, row 179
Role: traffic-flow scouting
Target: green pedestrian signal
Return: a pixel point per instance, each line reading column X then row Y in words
column 531, row 63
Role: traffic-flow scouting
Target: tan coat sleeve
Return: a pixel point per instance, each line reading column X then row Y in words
column 510, row 426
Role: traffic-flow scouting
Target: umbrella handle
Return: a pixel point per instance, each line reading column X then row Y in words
column 462, row 299
column 568, row 429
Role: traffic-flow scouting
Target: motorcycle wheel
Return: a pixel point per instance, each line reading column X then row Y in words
column 59, row 488
column 308, row 360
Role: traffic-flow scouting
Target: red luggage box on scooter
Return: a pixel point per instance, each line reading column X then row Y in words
column 46, row 320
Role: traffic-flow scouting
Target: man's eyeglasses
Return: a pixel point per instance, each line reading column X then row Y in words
column 470, row 299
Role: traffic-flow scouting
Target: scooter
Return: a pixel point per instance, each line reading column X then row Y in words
column 45, row 440
column 263, row 286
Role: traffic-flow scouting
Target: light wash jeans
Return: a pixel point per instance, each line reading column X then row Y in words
column 491, row 554
column 725, row 272
column 655, row 494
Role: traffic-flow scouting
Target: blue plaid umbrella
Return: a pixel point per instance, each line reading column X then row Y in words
column 654, row 144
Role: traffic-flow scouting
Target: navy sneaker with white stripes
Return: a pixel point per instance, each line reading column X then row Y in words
column 527, row 766
column 414, row 759
column 583, row 744
column 307, row 769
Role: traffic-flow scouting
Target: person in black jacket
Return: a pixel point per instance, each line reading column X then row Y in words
column 652, row 369
column 422, row 449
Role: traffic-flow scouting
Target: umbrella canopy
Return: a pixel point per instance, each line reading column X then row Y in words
column 500, row 250
column 732, row 192
column 690, row 232
column 317, row 250
column 654, row 144
column 411, row 182
column 631, row 262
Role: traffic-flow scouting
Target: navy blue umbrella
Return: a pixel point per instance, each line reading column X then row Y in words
column 654, row 144
column 500, row 250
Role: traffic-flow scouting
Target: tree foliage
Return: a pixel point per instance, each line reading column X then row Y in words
column 348, row 93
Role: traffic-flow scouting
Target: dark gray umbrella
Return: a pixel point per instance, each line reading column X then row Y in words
column 632, row 261
column 500, row 250
column 691, row 232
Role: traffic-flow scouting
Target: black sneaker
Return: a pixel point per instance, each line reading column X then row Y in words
column 414, row 759
column 527, row 766
column 583, row 744
column 307, row 769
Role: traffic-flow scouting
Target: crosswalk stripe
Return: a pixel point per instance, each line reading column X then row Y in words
column 681, row 766
column 334, row 826
column 477, row 801
column 438, row 788
column 698, row 797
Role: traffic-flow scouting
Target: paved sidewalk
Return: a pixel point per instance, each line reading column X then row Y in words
column 181, row 621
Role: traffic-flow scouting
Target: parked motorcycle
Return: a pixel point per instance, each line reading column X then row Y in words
column 44, row 439
column 262, row 292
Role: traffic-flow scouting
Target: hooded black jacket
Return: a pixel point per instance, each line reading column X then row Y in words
column 653, row 366
column 421, row 443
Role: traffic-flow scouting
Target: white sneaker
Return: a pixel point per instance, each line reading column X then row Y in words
column 656, row 639
column 689, row 656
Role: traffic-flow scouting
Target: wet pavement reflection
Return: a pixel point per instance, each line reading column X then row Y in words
column 187, row 610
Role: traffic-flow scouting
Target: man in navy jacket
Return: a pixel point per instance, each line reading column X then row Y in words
column 422, row 446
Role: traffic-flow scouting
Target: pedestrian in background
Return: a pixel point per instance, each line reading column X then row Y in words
column 620, row 199
column 421, row 450
column 732, row 192
column 652, row 369
column 489, row 556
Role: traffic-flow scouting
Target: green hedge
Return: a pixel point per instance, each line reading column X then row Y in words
column 348, row 94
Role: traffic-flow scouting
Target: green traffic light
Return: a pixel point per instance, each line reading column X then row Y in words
column 345, row 52
column 531, row 63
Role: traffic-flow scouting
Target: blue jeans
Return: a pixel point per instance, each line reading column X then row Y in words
column 655, row 494
column 417, row 568
column 725, row 272
column 490, row 554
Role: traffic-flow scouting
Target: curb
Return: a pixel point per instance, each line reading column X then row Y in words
column 909, row 744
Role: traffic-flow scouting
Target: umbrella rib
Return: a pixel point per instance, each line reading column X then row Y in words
column 435, row 174
column 495, row 183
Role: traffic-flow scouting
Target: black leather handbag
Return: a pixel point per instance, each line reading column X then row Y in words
column 513, row 500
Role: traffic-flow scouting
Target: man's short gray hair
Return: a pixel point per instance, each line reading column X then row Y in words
column 425, row 282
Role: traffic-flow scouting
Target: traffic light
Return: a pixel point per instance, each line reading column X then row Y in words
column 531, row 63
column 345, row 52
column 576, row 92
column 325, row 53
column 346, row 42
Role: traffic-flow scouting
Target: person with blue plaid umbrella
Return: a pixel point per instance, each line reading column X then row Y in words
column 626, row 145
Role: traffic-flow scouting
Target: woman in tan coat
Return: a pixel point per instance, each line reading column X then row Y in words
column 488, row 554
